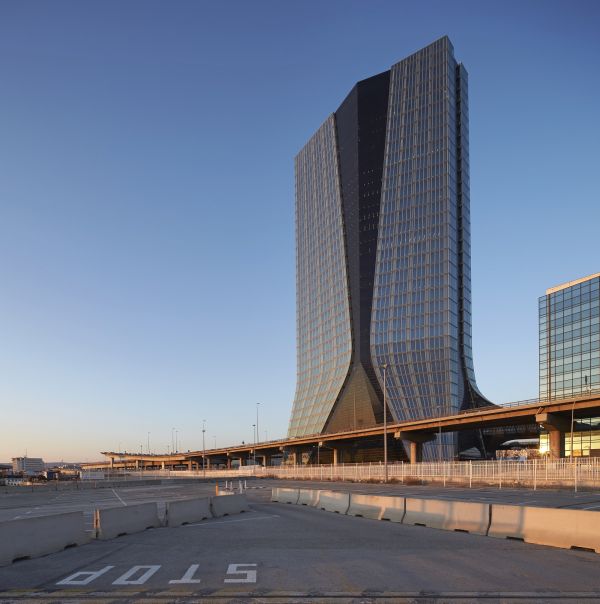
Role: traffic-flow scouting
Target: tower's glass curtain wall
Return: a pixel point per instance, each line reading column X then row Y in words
column 390, row 169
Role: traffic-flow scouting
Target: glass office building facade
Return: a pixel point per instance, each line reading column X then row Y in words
column 383, row 254
column 570, row 339
column 569, row 361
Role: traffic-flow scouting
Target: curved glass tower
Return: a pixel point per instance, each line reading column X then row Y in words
column 383, row 254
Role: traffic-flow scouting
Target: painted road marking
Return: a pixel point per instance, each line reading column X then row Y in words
column 125, row 579
column 118, row 497
column 188, row 577
column 89, row 576
column 139, row 574
column 211, row 523
column 249, row 576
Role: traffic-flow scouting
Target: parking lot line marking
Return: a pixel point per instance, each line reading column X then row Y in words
column 117, row 496
column 210, row 523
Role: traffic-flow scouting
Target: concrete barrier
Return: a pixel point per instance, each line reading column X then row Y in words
column 449, row 515
column 231, row 504
column 285, row 495
column 185, row 511
column 333, row 501
column 308, row 497
column 112, row 522
column 38, row 536
column 547, row 526
column 378, row 507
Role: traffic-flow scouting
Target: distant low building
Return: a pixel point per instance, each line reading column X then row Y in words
column 28, row 465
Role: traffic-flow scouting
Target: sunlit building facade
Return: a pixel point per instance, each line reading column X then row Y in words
column 383, row 254
column 569, row 361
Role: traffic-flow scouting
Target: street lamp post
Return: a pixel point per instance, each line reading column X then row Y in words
column 203, row 449
column 176, row 441
column 148, row 443
column 572, row 428
column 385, row 452
column 254, row 432
column 439, row 410
column 257, row 432
column 172, row 440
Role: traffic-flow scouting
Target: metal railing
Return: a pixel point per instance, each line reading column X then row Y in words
column 530, row 473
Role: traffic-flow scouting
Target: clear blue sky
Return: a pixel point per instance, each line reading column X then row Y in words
column 147, row 199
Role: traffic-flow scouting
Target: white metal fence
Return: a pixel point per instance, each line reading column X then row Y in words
column 533, row 473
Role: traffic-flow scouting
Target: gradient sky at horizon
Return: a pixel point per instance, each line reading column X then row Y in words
column 147, row 200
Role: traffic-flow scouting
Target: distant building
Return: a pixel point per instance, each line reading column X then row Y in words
column 569, row 328
column 28, row 465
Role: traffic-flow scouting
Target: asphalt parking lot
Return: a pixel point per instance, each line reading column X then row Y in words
column 287, row 553
column 28, row 503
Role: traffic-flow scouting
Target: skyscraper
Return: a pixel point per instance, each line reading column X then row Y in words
column 383, row 253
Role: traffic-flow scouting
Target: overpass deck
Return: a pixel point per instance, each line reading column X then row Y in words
column 554, row 415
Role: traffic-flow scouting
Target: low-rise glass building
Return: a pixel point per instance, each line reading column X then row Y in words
column 569, row 365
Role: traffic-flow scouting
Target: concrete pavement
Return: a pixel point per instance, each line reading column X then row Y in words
column 279, row 552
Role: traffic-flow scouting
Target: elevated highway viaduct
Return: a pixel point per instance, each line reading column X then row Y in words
column 554, row 416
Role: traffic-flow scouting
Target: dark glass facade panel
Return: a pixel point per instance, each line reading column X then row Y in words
column 324, row 341
column 569, row 336
column 361, row 127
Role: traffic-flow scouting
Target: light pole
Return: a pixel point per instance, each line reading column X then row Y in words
column 439, row 410
column 254, row 433
column 257, row 432
column 176, row 441
column 572, row 428
column 148, row 443
column 385, row 456
column 172, row 440
column 203, row 449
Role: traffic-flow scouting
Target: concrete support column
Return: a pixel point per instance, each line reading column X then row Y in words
column 335, row 457
column 557, row 427
column 229, row 463
column 416, row 440
column 557, row 443
column 162, row 465
column 189, row 465
column 416, row 452
column 112, row 463
column 137, row 464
